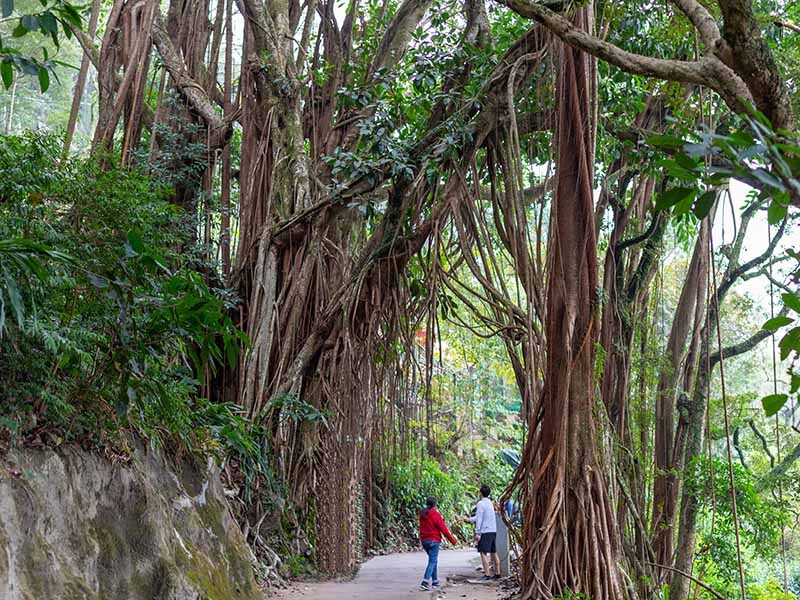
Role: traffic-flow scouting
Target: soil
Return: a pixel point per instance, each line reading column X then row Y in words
column 397, row 577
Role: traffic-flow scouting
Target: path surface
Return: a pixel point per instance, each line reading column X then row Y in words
column 396, row 577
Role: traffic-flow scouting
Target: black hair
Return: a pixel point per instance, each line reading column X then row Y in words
column 485, row 491
column 429, row 504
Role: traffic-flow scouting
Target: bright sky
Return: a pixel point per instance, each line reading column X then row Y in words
column 756, row 242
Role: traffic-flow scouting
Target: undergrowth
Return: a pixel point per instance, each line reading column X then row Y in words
column 108, row 322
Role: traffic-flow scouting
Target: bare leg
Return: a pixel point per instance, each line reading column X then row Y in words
column 496, row 560
column 485, row 561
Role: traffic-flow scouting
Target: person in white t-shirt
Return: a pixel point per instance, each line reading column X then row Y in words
column 486, row 531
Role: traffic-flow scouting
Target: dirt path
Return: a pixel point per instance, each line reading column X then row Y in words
column 396, row 577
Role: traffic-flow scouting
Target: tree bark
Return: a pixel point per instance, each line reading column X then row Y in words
column 225, row 233
column 666, row 482
column 80, row 83
column 570, row 533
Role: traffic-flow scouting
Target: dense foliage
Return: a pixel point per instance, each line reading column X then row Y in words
column 113, row 327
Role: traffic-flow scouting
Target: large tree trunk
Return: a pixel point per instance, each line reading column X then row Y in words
column 320, row 294
column 570, row 526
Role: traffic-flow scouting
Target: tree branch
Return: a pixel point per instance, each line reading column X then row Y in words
column 737, row 272
column 710, row 71
column 764, row 444
column 780, row 22
column 755, row 63
column 395, row 38
column 705, row 24
column 739, row 448
column 745, row 345
column 197, row 96
column 782, row 468
column 640, row 238
column 705, row 586
column 86, row 42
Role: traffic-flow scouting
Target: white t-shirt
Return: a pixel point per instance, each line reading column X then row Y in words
column 484, row 519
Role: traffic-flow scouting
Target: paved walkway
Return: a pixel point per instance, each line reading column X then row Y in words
column 396, row 577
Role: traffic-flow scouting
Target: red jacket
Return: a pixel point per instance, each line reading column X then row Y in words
column 431, row 527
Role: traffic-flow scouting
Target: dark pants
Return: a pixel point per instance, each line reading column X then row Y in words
column 432, row 549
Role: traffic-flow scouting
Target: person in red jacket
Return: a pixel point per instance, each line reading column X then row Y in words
column 431, row 529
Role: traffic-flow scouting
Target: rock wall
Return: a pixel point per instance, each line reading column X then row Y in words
column 75, row 526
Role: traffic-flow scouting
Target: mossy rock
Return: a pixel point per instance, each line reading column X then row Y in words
column 75, row 526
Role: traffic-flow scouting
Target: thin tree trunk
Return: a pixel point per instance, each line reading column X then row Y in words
column 696, row 408
column 225, row 234
column 690, row 503
column 80, row 84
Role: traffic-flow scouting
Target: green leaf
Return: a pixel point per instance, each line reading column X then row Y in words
column 97, row 281
column 44, row 79
column 28, row 66
column 15, row 298
column 704, row 204
column 684, row 161
column 776, row 212
column 19, row 30
column 70, row 14
column 135, row 242
column 776, row 323
column 671, row 197
column 231, row 351
column 773, row 403
column 684, row 206
column 7, row 72
column 767, row 178
column 788, row 148
column 665, row 141
column 792, row 301
column 8, row 8
column 677, row 171
column 48, row 22
column 790, row 343
column 30, row 22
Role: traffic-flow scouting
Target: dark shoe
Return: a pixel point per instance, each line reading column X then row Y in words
column 486, row 578
column 496, row 577
column 425, row 587
column 436, row 586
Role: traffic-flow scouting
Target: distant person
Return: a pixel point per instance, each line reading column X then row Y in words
column 486, row 532
column 431, row 529
column 511, row 509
